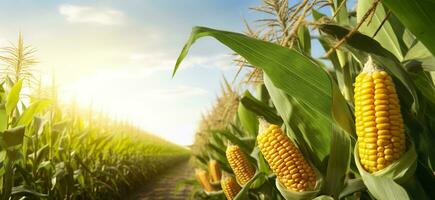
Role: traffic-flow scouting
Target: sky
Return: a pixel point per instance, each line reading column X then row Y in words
column 118, row 55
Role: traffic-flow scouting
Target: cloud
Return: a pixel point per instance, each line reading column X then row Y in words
column 181, row 91
column 153, row 62
column 88, row 14
column 218, row 61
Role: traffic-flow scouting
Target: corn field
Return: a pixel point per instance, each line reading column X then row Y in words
column 357, row 122
column 55, row 151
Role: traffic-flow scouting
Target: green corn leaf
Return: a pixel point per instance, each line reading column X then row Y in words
column 419, row 57
column 352, row 186
column 262, row 94
column 386, row 35
column 32, row 110
column 247, row 118
column 262, row 165
column 233, row 139
column 418, row 17
column 243, row 194
column 299, row 76
column 13, row 97
column 304, row 39
column 261, row 109
column 3, row 118
column 323, row 197
column 12, row 137
column 338, row 163
column 314, row 144
column 342, row 15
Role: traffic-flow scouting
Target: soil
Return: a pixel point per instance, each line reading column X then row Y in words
column 164, row 186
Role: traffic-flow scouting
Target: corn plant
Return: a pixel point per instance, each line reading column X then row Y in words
column 356, row 123
column 49, row 151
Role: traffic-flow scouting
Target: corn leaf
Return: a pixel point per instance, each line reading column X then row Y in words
column 262, row 165
column 386, row 35
column 419, row 57
column 3, row 118
column 304, row 39
column 289, row 70
column 261, row 109
column 338, row 163
column 323, row 197
column 342, row 15
column 418, row 17
column 233, row 139
column 315, row 144
column 243, row 194
column 248, row 119
column 13, row 97
column 352, row 186
column 340, row 148
column 12, row 137
column 32, row 110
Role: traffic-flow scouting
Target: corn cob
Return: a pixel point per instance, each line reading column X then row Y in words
column 204, row 180
column 240, row 164
column 214, row 170
column 285, row 160
column 378, row 121
column 230, row 187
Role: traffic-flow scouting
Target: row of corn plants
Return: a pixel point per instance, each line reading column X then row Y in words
column 54, row 151
column 356, row 123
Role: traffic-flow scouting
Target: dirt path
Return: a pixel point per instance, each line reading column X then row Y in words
column 163, row 187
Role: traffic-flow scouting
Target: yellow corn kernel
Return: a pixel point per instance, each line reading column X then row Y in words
column 378, row 122
column 240, row 164
column 204, row 180
column 230, row 187
column 289, row 165
column 214, row 170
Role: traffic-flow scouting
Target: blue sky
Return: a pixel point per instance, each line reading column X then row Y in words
column 119, row 55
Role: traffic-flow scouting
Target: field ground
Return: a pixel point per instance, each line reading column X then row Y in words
column 163, row 186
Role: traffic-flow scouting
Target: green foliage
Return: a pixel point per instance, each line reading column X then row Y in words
column 53, row 153
column 313, row 99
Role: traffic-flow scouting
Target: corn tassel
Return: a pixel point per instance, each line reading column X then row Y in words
column 378, row 121
column 285, row 160
column 240, row 164
column 214, row 170
column 230, row 187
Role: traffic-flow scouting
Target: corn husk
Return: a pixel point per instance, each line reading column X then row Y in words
column 306, row 195
column 258, row 182
column 385, row 184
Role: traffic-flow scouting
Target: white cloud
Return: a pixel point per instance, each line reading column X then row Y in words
column 181, row 91
column 152, row 62
column 88, row 14
column 219, row 61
